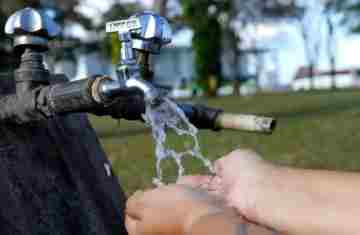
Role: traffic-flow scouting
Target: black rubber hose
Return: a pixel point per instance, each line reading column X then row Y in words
column 71, row 97
column 201, row 116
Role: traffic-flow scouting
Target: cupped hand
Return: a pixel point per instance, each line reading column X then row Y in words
column 174, row 209
column 169, row 210
column 239, row 178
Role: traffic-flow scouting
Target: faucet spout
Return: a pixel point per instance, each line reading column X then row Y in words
column 107, row 89
column 151, row 93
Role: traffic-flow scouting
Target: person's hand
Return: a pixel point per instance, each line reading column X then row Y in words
column 239, row 178
column 169, row 210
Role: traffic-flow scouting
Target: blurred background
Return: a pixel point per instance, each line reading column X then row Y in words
column 296, row 60
column 220, row 47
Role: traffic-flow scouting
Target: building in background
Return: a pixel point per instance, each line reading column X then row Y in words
column 346, row 78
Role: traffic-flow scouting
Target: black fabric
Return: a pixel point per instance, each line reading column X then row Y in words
column 53, row 179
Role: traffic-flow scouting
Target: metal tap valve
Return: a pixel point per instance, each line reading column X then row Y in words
column 145, row 33
column 31, row 31
column 30, row 27
column 149, row 31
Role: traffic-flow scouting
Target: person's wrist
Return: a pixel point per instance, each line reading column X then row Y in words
column 195, row 216
column 224, row 222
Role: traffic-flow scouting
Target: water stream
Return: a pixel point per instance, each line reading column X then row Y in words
column 169, row 117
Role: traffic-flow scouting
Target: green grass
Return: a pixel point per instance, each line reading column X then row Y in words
column 315, row 130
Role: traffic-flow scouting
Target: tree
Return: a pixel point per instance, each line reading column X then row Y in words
column 352, row 12
column 251, row 13
column 161, row 7
column 310, row 23
column 316, row 15
column 216, row 26
column 203, row 17
column 332, row 8
column 231, row 41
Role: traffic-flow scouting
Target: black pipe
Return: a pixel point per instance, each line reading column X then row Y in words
column 78, row 97
column 20, row 109
column 73, row 97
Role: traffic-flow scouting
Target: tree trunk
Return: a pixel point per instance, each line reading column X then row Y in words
column 213, row 86
column 161, row 7
column 311, row 76
column 237, row 85
column 237, row 81
column 333, row 73
column 331, row 51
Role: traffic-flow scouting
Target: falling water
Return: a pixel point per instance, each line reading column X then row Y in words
column 167, row 116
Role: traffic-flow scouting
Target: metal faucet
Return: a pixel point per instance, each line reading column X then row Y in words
column 140, row 35
column 31, row 31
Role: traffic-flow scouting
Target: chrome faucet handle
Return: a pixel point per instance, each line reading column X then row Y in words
column 146, row 33
column 149, row 31
column 155, row 32
column 30, row 27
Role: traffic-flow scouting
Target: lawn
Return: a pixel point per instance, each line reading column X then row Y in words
column 315, row 130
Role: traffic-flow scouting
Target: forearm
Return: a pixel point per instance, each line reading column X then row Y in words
column 308, row 202
column 220, row 223
column 226, row 224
